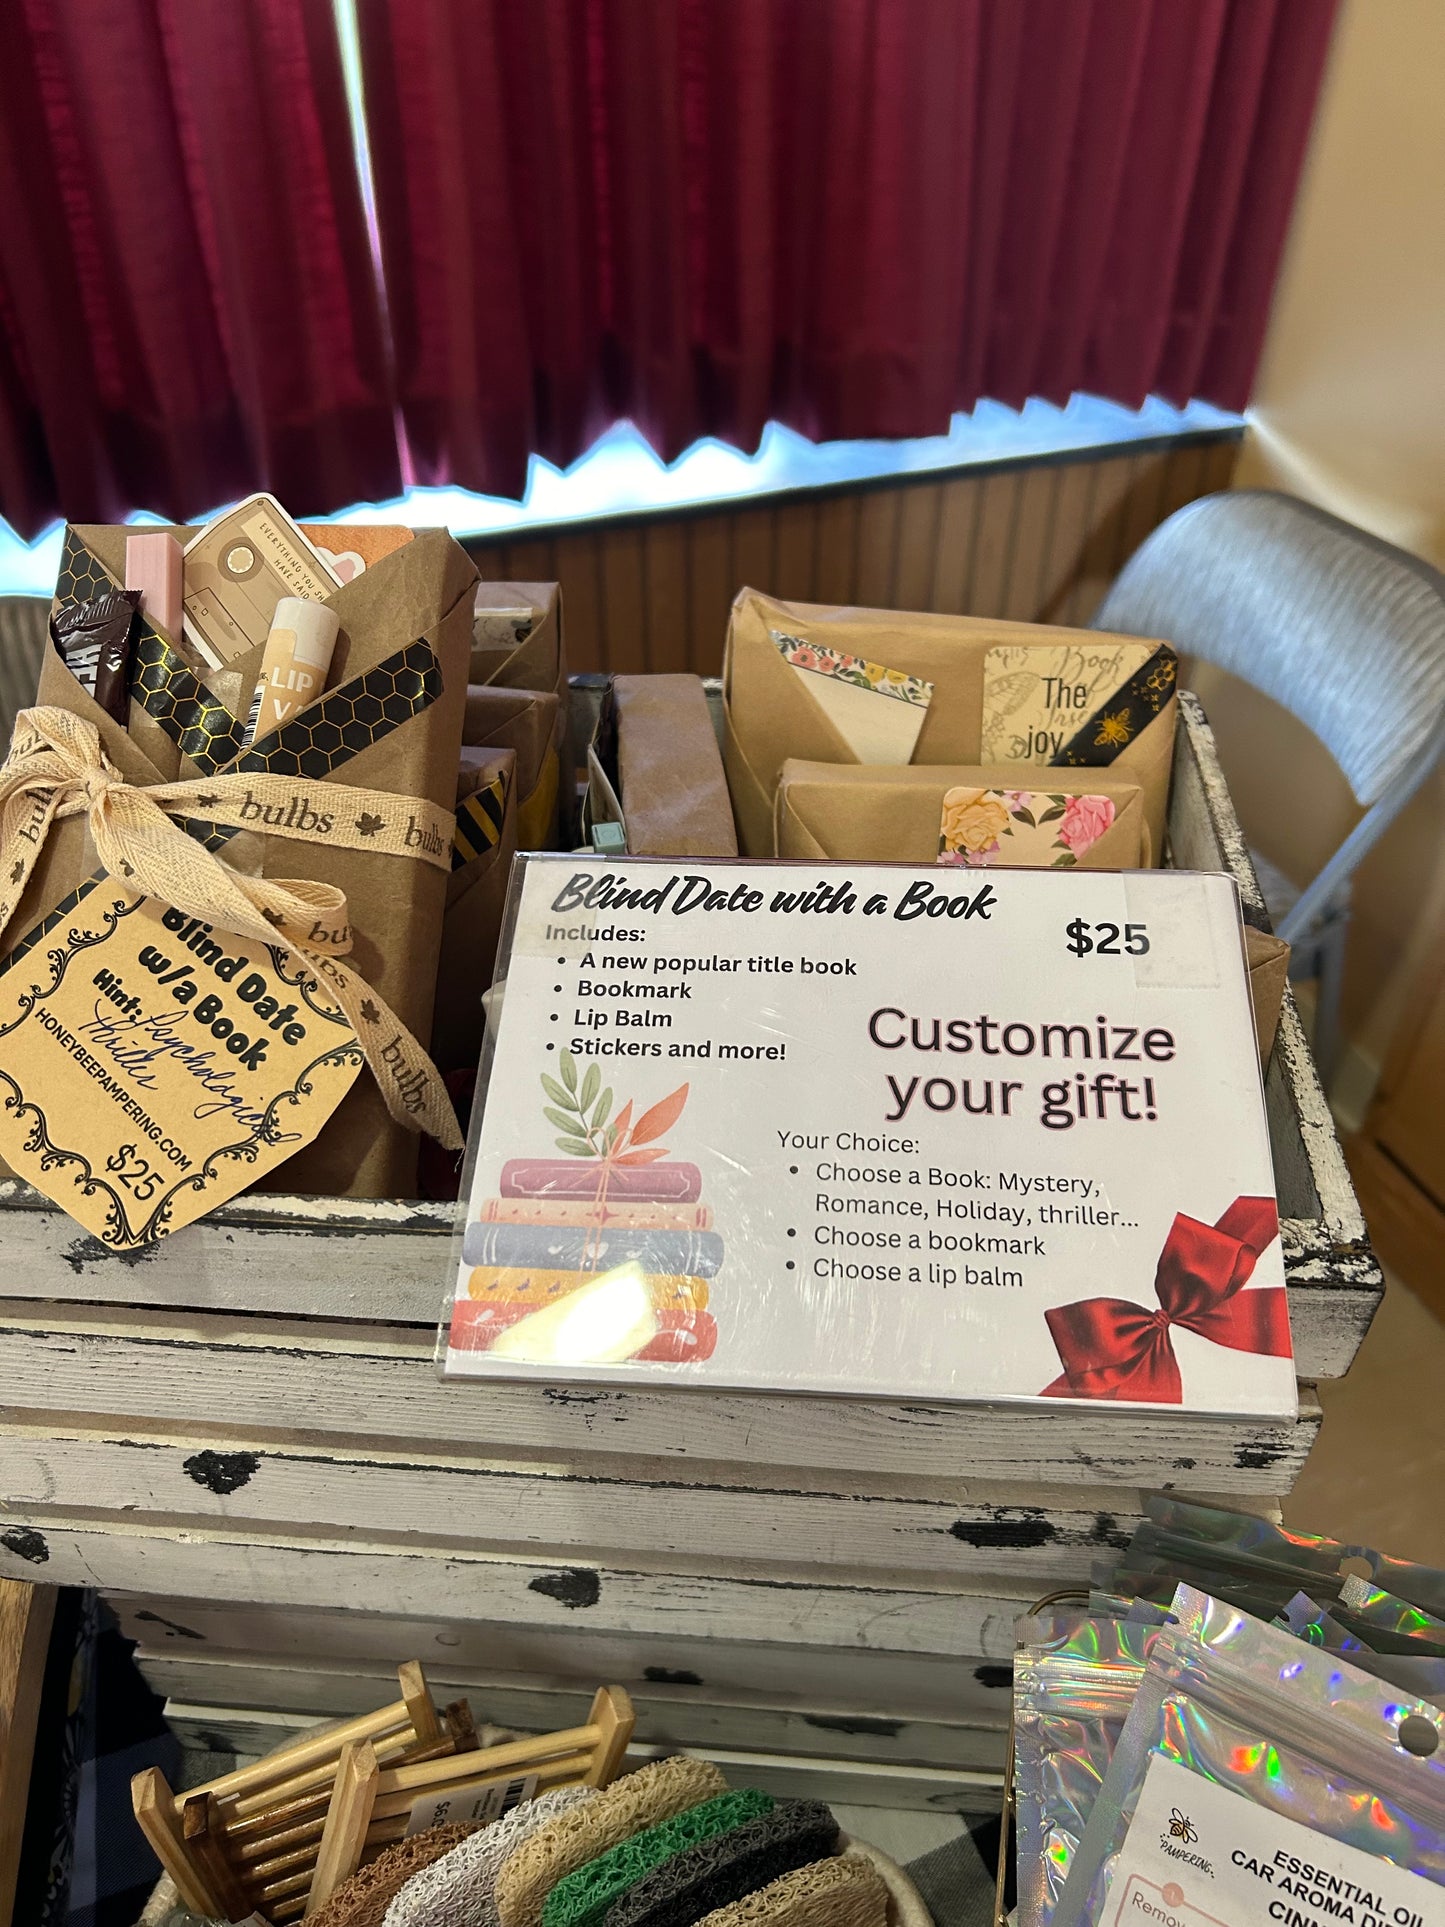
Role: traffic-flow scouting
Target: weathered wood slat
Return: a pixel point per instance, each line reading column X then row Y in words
column 302, row 1695
column 668, row 1666
column 281, row 1377
column 851, row 1612
column 627, row 1506
column 329, row 1263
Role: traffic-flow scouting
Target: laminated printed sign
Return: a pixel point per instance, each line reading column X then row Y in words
column 941, row 1132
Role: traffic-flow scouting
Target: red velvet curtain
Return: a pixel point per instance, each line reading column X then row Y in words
column 187, row 300
column 854, row 216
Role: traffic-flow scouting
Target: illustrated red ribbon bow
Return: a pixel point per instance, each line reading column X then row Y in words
column 1113, row 1348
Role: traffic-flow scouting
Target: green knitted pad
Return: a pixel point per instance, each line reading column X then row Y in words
column 583, row 1898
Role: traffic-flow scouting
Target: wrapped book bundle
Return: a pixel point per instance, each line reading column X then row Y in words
column 248, row 762
column 890, row 690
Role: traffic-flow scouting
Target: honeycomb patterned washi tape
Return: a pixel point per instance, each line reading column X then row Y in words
column 198, row 724
column 349, row 719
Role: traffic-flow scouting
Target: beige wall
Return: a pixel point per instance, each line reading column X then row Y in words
column 1349, row 411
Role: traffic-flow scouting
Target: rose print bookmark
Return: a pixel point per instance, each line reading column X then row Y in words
column 877, row 711
column 1042, row 829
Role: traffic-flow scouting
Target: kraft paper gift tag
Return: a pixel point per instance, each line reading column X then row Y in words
column 390, row 719
column 518, row 699
column 654, row 767
column 483, row 845
column 974, row 815
column 770, row 716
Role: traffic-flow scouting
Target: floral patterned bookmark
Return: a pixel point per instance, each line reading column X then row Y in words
column 1041, row 829
column 820, row 660
column 844, row 687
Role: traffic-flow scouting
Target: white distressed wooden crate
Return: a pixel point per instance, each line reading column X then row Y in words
column 241, row 1436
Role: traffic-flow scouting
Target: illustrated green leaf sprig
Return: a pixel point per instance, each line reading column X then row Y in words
column 582, row 1111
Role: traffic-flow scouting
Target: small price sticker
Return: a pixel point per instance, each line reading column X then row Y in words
column 478, row 1801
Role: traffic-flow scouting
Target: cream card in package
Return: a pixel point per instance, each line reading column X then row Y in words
column 902, row 1132
column 1043, row 828
column 877, row 711
column 151, row 1067
column 238, row 568
column 1072, row 702
column 1198, row 1854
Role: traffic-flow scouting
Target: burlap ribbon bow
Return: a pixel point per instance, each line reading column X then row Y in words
column 58, row 768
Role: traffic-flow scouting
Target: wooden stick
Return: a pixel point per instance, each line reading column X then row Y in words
column 154, row 1806
column 264, row 1870
column 614, row 1719
column 420, row 1706
column 296, row 1887
column 396, row 1748
column 569, row 1772
column 289, row 1761
column 247, row 1851
column 488, row 1760
column 201, row 1833
column 347, row 1819
column 27, row 1614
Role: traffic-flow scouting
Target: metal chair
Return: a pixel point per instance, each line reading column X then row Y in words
column 23, row 620
column 1344, row 631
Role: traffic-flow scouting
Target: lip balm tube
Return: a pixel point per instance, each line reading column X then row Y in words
column 153, row 565
column 293, row 669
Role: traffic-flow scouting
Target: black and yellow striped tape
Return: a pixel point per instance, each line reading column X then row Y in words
column 479, row 822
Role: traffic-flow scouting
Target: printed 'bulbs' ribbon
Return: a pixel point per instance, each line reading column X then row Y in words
column 1113, row 1348
column 57, row 768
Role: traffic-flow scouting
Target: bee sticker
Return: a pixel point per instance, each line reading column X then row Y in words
column 1181, row 1827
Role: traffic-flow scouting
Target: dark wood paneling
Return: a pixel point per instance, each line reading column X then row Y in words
column 1032, row 541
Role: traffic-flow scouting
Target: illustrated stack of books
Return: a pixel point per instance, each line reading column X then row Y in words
column 603, row 1259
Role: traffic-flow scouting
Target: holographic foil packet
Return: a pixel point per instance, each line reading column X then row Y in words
column 1075, row 1677
column 1422, row 1676
column 1269, row 1781
column 1253, row 1547
column 1391, row 1617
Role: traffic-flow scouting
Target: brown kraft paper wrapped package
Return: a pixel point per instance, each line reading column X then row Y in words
column 1267, row 957
column 406, row 627
column 518, row 698
column 770, row 717
column 485, row 843
column 859, row 813
column 655, row 767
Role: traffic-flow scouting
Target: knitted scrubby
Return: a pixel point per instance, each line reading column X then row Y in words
column 628, row 1806
column 460, row 1890
column 363, row 1900
column 715, row 1873
column 845, row 1892
column 583, row 1898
